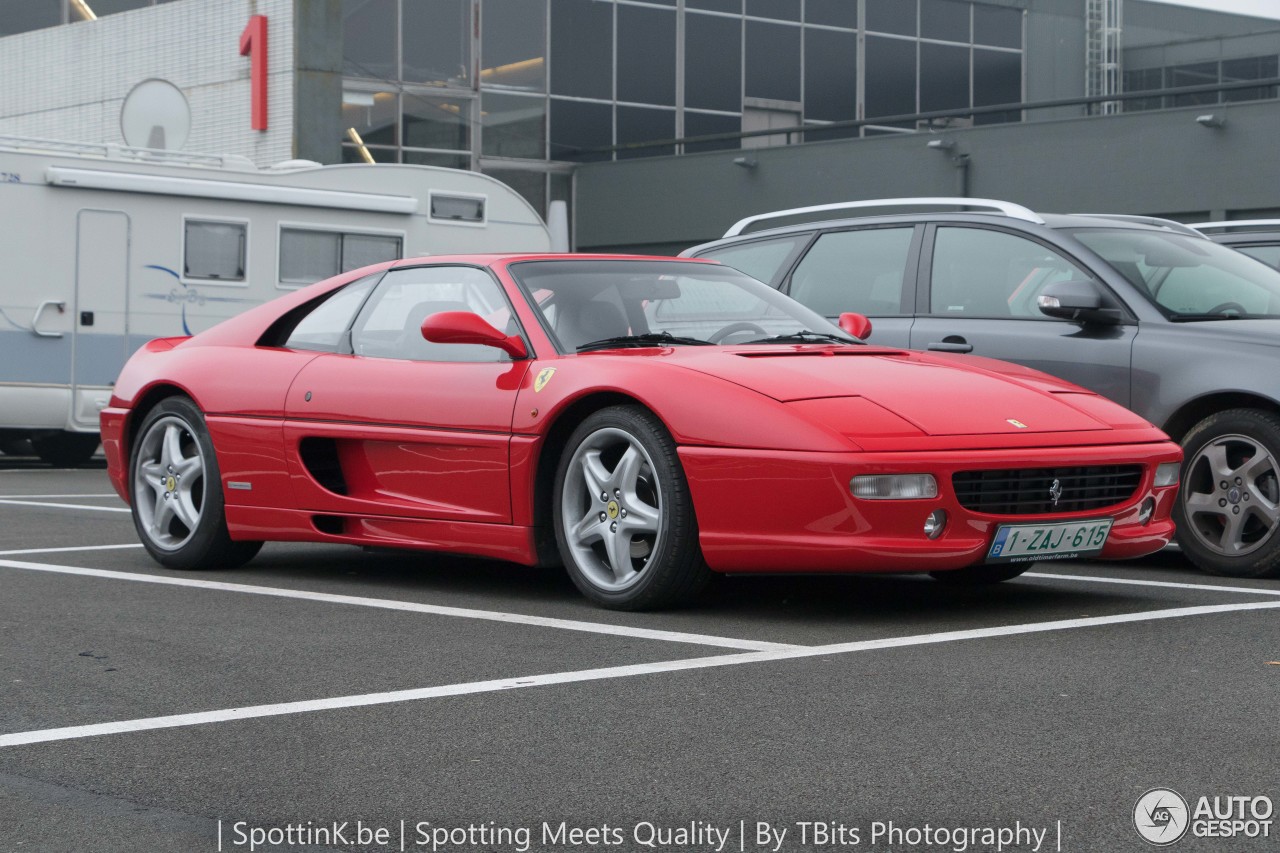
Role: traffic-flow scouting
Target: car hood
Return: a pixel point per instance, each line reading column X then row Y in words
column 938, row 397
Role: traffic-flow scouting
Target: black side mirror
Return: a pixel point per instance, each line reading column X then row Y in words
column 1078, row 300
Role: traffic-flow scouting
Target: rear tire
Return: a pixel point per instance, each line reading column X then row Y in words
column 623, row 516
column 1228, row 507
column 66, row 449
column 981, row 575
column 177, row 502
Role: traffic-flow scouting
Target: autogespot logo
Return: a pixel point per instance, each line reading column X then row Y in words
column 1161, row 817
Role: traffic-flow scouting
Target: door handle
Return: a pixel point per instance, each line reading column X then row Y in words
column 35, row 320
column 951, row 343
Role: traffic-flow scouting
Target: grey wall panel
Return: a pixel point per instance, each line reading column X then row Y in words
column 1154, row 163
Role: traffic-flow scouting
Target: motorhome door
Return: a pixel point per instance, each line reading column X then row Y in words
column 100, row 340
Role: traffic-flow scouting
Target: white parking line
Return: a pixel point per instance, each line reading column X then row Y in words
column 413, row 607
column 65, row 506
column 1205, row 587
column 795, row 652
column 73, row 548
column 42, row 497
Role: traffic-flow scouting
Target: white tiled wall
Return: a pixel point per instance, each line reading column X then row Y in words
column 69, row 82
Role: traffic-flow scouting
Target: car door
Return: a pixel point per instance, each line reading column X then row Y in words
column 869, row 270
column 979, row 297
column 395, row 425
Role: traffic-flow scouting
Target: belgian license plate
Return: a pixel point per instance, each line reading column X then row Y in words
column 1015, row 543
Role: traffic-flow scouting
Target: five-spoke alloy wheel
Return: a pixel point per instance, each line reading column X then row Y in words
column 623, row 516
column 1228, row 508
column 177, row 496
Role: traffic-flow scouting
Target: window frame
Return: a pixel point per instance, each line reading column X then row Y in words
column 341, row 231
column 483, row 198
column 243, row 281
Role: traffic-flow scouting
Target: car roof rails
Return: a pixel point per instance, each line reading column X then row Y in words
column 1168, row 224
column 1233, row 224
column 984, row 205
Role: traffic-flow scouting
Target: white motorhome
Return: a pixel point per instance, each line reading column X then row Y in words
column 105, row 247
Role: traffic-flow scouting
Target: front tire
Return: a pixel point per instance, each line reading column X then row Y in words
column 1228, row 508
column 177, row 501
column 623, row 516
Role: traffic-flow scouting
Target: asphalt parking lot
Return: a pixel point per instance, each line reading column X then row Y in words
column 322, row 692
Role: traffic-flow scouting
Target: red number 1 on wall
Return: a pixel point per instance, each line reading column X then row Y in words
column 253, row 41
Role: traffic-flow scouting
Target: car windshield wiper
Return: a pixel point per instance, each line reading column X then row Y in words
column 1195, row 318
column 647, row 339
column 802, row 337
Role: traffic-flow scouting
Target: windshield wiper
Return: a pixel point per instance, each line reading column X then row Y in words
column 1194, row 318
column 802, row 337
column 647, row 339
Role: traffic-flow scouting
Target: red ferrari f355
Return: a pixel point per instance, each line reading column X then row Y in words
column 643, row 421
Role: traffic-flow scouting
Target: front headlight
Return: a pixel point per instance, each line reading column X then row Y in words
column 894, row 487
column 1167, row 474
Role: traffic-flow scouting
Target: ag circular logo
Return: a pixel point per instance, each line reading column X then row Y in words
column 1161, row 816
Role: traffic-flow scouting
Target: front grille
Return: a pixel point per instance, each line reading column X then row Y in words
column 1027, row 491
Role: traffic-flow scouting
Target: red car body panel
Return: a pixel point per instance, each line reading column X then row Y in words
column 445, row 456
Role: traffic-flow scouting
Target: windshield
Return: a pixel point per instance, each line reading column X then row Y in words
column 1189, row 278
column 598, row 304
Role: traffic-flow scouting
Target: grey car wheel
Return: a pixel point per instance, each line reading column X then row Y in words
column 623, row 516
column 1228, row 510
column 176, row 492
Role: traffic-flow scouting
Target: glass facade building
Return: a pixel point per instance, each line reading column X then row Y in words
column 520, row 89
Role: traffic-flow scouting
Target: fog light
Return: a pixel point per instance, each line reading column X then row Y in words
column 1148, row 508
column 894, row 487
column 934, row 523
column 1167, row 474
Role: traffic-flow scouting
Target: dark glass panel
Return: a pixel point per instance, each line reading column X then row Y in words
column 1143, row 80
column 997, row 26
column 578, row 125
column 997, row 79
column 713, row 62
column 836, row 13
column 513, row 44
column 640, row 124
column 514, row 126
column 892, row 16
column 374, row 115
column 582, row 48
column 944, row 77
column 369, row 39
column 773, row 61
column 782, row 10
column 647, row 55
column 715, row 5
column 531, row 185
column 1196, row 74
column 437, row 122
column 436, row 44
column 1252, row 68
column 704, row 124
column 830, row 75
column 891, row 77
column 435, row 158
column 944, row 19
column 351, row 154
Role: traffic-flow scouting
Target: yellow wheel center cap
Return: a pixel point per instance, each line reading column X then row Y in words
column 612, row 509
column 171, row 484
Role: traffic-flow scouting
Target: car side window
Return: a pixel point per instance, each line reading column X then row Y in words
column 323, row 328
column 983, row 273
column 390, row 324
column 854, row 271
column 763, row 260
column 1269, row 255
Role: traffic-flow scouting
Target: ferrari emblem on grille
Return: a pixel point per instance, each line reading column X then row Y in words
column 1018, row 424
column 1055, row 491
column 543, row 378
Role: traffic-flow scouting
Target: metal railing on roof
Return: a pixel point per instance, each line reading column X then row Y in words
column 985, row 205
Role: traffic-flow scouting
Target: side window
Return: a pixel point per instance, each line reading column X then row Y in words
column 309, row 255
column 213, row 250
column 762, row 259
column 323, row 328
column 980, row 273
column 390, row 324
column 854, row 271
column 1269, row 255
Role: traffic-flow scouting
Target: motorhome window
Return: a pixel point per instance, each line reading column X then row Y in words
column 323, row 328
column 214, row 250
column 457, row 208
column 308, row 255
